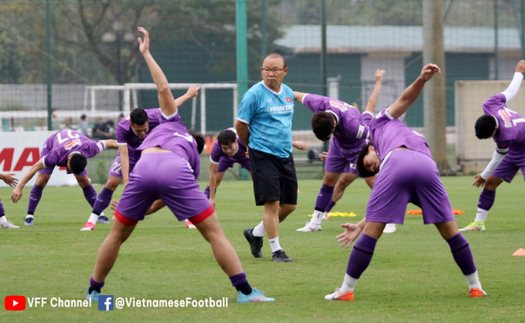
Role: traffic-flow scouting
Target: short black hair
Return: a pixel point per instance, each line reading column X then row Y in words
column 77, row 163
column 323, row 125
column 363, row 172
column 83, row 117
column 138, row 116
column 275, row 55
column 199, row 139
column 485, row 126
column 226, row 137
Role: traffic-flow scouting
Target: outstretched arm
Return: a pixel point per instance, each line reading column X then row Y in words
column 372, row 101
column 514, row 86
column 412, row 92
column 192, row 92
column 166, row 101
column 301, row 145
column 17, row 192
column 299, row 96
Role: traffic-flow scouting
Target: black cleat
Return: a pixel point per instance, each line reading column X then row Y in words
column 255, row 243
column 280, row 256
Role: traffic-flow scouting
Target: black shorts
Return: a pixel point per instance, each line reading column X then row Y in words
column 274, row 178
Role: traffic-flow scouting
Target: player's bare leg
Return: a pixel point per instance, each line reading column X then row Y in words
column 35, row 196
column 462, row 255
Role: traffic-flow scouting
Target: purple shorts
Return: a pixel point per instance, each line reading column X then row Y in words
column 337, row 163
column 49, row 170
column 408, row 176
column 227, row 162
column 116, row 170
column 509, row 166
column 165, row 176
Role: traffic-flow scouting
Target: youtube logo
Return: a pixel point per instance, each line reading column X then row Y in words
column 15, row 303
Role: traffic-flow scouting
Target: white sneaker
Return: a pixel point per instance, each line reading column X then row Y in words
column 390, row 228
column 9, row 225
column 309, row 227
column 325, row 217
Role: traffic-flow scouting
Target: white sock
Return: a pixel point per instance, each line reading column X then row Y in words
column 317, row 218
column 2, row 220
column 259, row 230
column 473, row 280
column 93, row 218
column 274, row 243
column 481, row 215
column 29, row 216
column 348, row 284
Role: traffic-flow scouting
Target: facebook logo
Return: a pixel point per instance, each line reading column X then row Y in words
column 105, row 302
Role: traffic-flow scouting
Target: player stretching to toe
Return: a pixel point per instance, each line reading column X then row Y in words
column 130, row 132
column 507, row 128
column 350, row 135
column 65, row 148
column 406, row 173
column 167, row 170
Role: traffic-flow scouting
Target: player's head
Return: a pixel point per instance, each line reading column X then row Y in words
column 228, row 142
column 199, row 140
column 83, row 117
column 76, row 163
column 323, row 125
column 486, row 127
column 368, row 163
column 274, row 70
column 138, row 121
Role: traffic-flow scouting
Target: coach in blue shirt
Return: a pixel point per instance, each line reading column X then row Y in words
column 264, row 124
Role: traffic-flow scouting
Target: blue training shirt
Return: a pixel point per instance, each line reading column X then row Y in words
column 269, row 118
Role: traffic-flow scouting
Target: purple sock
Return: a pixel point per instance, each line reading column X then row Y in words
column 330, row 206
column 462, row 254
column 103, row 200
column 240, row 282
column 2, row 211
column 324, row 197
column 95, row 286
column 90, row 194
column 486, row 199
column 34, row 198
column 207, row 192
column 361, row 256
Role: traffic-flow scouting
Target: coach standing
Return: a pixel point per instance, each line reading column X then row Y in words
column 264, row 124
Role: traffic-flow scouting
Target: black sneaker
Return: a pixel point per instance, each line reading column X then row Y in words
column 255, row 242
column 280, row 256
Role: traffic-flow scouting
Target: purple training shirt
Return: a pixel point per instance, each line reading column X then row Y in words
column 64, row 143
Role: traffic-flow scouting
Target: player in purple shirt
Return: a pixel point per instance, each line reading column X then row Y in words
column 226, row 151
column 507, row 128
column 406, row 173
column 167, row 170
column 66, row 148
column 349, row 136
column 130, row 132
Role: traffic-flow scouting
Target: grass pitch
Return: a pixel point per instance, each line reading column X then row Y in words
column 412, row 277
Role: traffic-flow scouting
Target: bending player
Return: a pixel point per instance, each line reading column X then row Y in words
column 350, row 135
column 4, row 223
column 406, row 173
column 66, row 148
column 226, row 151
column 507, row 128
column 130, row 133
column 169, row 149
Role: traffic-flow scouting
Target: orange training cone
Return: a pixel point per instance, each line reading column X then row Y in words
column 519, row 252
column 208, row 145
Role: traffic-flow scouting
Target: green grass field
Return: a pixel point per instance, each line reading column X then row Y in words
column 412, row 277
